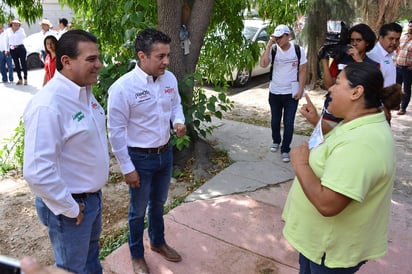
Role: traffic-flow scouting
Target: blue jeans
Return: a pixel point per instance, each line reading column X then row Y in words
column 404, row 76
column 19, row 57
column 75, row 247
column 283, row 103
column 155, row 172
column 306, row 266
column 3, row 69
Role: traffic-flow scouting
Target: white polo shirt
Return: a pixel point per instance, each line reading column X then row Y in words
column 66, row 147
column 385, row 60
column 140, row 111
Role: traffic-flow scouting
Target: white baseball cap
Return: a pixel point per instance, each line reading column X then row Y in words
column 280, row 30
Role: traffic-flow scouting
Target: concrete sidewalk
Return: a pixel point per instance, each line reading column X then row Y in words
column 232, row 224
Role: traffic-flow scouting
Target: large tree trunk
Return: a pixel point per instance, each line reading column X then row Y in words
column 377, row 13
column 196, row 17
column 315, row 31
column 170, row 21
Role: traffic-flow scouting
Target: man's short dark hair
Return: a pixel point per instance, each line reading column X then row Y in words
column 147, row 37
column 68, row 44
column 383, row 31
column 63, row 21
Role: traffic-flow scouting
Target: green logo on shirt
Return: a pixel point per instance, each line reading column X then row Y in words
column 78, row 116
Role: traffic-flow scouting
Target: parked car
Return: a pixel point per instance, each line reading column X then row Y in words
column 255, row 31
column 34, row 45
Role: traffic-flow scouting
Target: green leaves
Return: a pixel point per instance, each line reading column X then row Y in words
column 12, row 152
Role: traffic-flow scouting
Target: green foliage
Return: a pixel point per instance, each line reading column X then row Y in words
column 27, row 10
column 199, row 109
column 282, row 12
column 180, row 142
column 112, row 241
column 11, row 154
column 223, row 52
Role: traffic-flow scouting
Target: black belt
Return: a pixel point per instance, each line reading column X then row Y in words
column 153, row 150
column 84, row 195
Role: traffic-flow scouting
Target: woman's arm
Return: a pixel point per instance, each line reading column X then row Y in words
column 326, row 201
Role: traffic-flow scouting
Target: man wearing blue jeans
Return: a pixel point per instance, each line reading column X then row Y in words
column 5, row 57
column 288, row 76
column 142, row 105
column 66, row 158
column 403, row 60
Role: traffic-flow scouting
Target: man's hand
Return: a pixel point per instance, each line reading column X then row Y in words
column 81, row 215
column 179, row 129
column 29, row 265
column 309, row 111
column 132, row 179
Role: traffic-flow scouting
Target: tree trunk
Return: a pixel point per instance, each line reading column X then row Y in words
column 377, row 13
column 196, row 16
column 169, row 18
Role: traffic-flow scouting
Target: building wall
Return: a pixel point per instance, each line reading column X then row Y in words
column 52, row 11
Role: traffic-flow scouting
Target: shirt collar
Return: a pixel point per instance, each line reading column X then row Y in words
column 144, row 76
column 384, row 52
column 361, row 121
column 73, row 91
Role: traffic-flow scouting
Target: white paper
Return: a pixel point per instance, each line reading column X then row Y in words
column 317, row 136
column 295, row 88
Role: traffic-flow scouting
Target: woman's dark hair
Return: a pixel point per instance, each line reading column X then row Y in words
column 68, row 44
column 147, row 37
column 370, row 77
column 367, row 34
column 53, row 39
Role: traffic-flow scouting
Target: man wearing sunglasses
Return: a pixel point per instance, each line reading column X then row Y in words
column 288, row 77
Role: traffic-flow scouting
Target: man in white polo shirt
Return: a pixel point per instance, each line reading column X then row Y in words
column 66, row 159
column 388, row 42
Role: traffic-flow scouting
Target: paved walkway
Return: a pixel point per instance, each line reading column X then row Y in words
column 232, row 224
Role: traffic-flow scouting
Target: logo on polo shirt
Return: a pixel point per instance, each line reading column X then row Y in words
column 142, row 96
column 78, row 116
column 169, row 90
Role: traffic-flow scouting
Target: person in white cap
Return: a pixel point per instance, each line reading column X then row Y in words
column 17, row 50
column 288, row 77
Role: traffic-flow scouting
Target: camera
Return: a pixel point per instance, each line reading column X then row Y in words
column 9, row 265
column 336, row 41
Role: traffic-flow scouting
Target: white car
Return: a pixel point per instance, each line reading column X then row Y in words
column 255, row 31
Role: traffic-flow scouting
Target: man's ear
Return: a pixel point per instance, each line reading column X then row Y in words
column 140, row 55
column 65, row 61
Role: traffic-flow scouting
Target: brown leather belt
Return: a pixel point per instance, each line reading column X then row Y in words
column 84, row 195
column 152, row 150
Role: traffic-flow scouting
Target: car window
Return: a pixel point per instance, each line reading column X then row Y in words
column 262, row 36
column 249, row 32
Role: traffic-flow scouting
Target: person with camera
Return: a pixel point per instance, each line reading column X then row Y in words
column 361, row 39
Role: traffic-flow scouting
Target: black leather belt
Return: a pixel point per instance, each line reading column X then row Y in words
column 84, row 195
column 154, row 150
